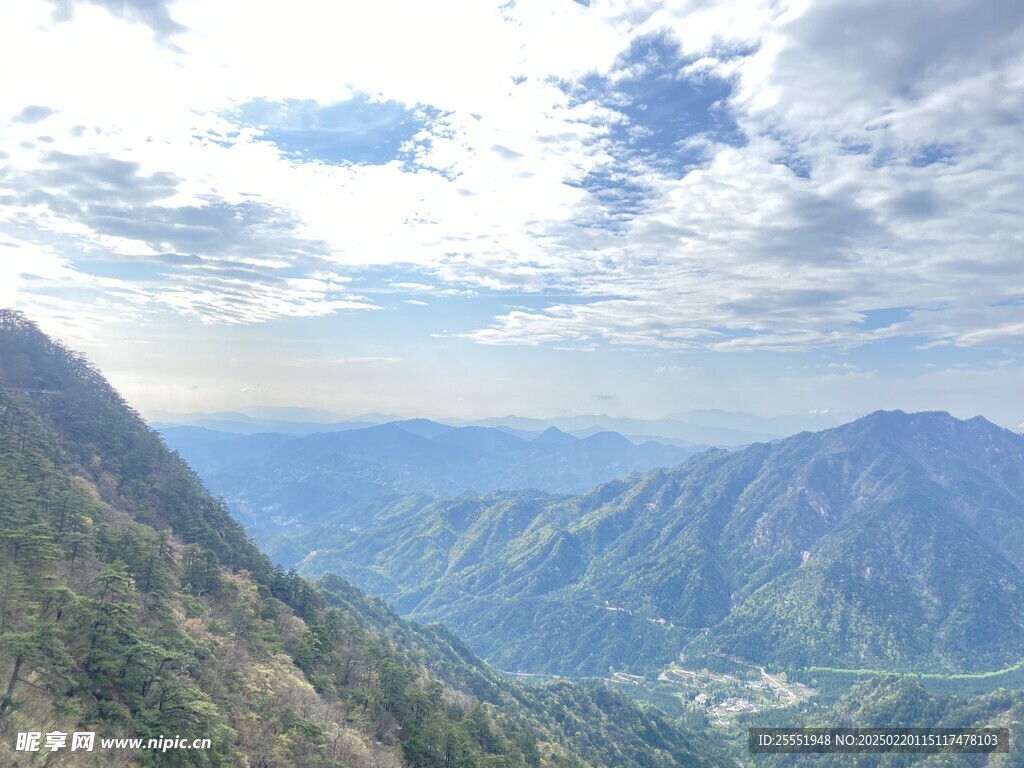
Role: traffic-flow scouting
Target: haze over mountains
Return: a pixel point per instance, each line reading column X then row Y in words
column 710, row 427
column 274, row 480
column 277, row 470
column 893, row 542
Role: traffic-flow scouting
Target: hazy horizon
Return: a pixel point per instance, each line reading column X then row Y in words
column 756, row 207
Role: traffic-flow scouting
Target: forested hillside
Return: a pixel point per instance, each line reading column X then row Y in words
column 132, row 605
column 892, row 543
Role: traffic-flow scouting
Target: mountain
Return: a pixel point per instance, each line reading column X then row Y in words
column 133, row 606
column 555, row 437
column 895, row 542
column 687, row 428
column 276, row 483
column 674, row 429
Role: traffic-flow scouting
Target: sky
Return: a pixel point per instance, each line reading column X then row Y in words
column 466, row 208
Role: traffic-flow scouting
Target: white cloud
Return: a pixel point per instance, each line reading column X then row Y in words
column 911, row 147
column 744, row 254
column 1003, row 333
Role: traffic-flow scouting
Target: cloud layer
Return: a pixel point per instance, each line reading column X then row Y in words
column 723, row 176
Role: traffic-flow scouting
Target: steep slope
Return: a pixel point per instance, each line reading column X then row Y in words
column 131, row 605
column 112, row 447
column 893, row 542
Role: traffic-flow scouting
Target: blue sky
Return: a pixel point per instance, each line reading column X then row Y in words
column 548, row 207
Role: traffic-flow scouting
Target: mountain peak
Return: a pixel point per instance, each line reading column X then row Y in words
column 908, row 423
column 554, row 436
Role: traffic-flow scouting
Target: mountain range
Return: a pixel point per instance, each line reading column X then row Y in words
column 275, row 482
column 698, row 427
column 856, row 558
column 892, row 543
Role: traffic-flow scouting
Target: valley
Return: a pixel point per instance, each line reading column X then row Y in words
column 724, row 589
column 787, row 554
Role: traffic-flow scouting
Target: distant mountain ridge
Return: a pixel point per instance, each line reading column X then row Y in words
column 272, row 479
column 893, row 542
column 707, row 427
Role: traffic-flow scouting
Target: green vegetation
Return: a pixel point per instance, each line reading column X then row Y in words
column 892, row 543
column 962, row 684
